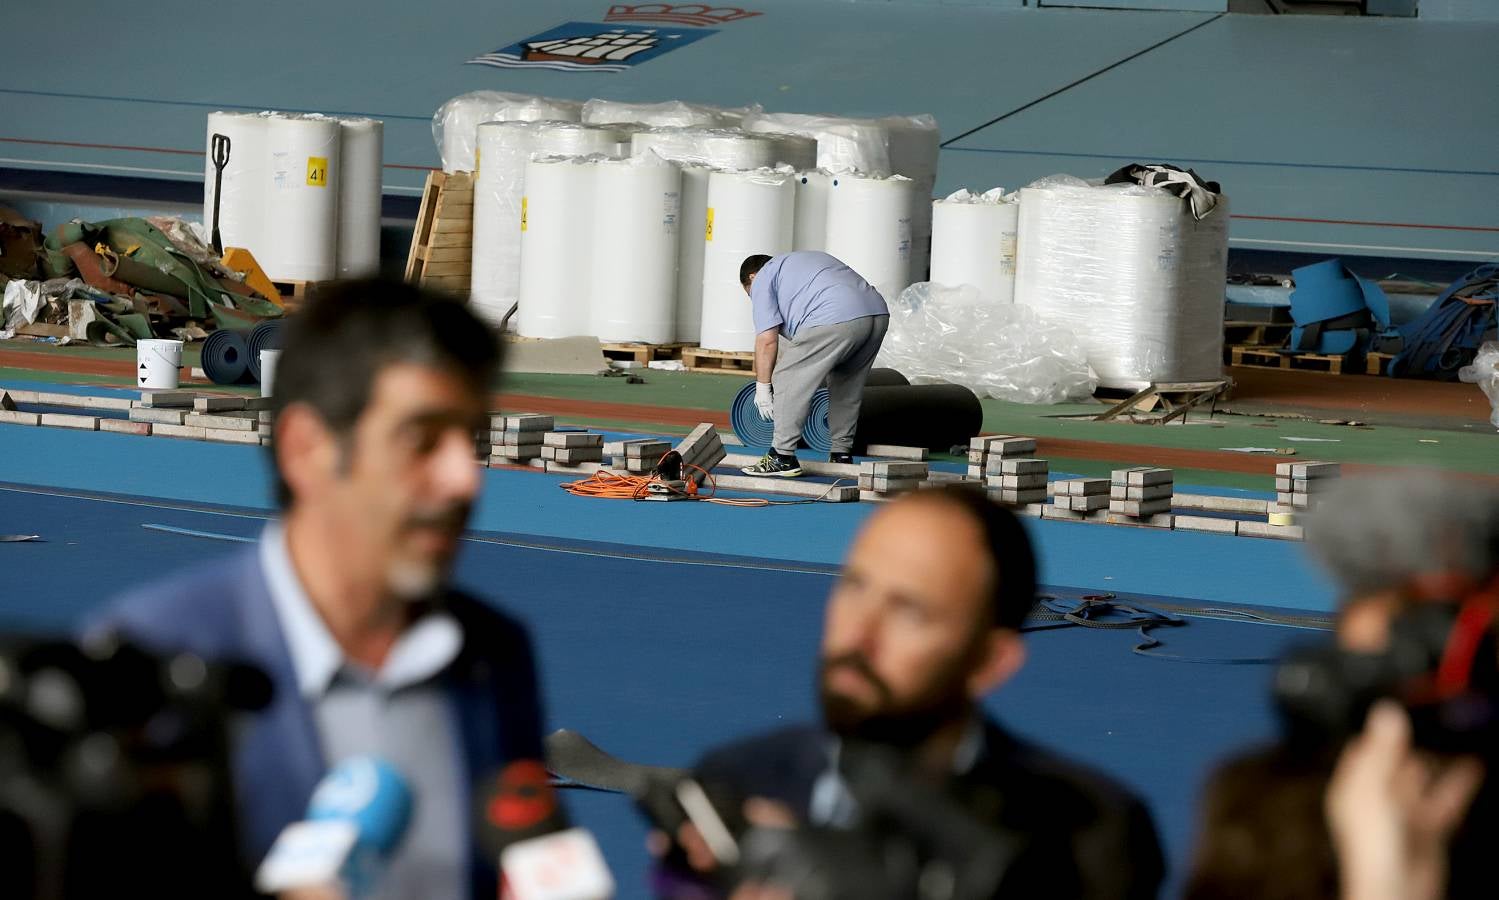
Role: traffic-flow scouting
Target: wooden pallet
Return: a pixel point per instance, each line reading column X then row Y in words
column 1378, row 363
column 1269, row 359
column 1256, row 334
column 293, row 292
column 643, row 354
column 442, row 244
column 725, row 362
column 1167, row 400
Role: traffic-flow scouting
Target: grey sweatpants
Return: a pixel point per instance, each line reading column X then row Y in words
column 840, row 355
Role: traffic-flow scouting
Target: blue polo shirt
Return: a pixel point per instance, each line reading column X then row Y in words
column 806, row 289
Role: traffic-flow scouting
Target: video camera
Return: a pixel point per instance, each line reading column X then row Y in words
column 909, row 839
column 1441, row 663
column 114, row 770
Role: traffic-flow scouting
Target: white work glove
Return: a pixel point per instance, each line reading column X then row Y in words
column 764, row 402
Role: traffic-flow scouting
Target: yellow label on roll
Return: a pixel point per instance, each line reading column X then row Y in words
column 523, row 214
column 317, row 171
column 476, row 162
column 708, row 230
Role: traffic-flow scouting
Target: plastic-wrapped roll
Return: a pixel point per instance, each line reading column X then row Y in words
column 973, row 242
column 843, row 144
column 455, row 124
column 670, row 113
column 362, row 151
column 915, row 146
column 716, row 147
column 636, row 219
column 794, row 150
column 265, row 336
column 869, row 229
column 556, row 254
column 301, row 223
column 572, row 139
column 242, row 206
column 690, row 252
column 499, row 185
column 1131, row 272
column 748, row 213
column 225, row 357
column 810, row 231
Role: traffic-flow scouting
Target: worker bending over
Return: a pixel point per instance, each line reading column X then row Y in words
column 816, row 321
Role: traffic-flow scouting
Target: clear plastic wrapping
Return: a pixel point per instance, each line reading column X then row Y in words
column 670, row 113
column 1130, row 270
column 941, row 333
column 1484, row 372
column 843, row 144
column 720, row 148
column 456, row 122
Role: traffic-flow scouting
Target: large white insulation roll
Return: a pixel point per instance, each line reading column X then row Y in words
column 242, row 202
column 794, row 150
column 573, row 139
column 1131, row 272
column 669, row 113
column 362, row 151
column 748, row 213
column 915, row 145
column 301, row 221
column 504, row 149
column 720, row 148
column 973, row 242
column 843, row 144
column 455, row 124
column 556, row 252
column 636, row 222
column 811, row 229
column 869, row 229
column 690, row 249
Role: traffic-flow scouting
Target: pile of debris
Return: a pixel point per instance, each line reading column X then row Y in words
column 115, row 282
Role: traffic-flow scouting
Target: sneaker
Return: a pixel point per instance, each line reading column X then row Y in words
column 775, row 466
column 842, row 459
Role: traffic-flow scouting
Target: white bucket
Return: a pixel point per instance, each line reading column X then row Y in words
column 156, row 364
column 268, row 370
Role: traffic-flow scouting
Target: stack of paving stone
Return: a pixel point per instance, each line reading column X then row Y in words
column 637, row 457
column 701, row 450
column 516, row 440
column 884, row 478
column 1017, row 481
column 1081, row 498
column 571, row 449
column 1141, row 496
column 1298, row 485
column 982, row 451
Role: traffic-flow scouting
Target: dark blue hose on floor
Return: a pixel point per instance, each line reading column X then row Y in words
column 226, row 357
column 265, row 336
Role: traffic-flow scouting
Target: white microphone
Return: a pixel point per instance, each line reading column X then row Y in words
column 540, row 857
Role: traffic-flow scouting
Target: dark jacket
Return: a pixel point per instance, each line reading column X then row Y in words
column 222, row 610
column 1085, row 836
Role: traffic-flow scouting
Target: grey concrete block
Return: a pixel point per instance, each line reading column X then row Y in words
column 178, row 431
column 1142, row 492
column 1017, row 482
column 647, row 449
column 1017, row 497
column 231, row 436
column 1207, row 524
column 164, row 399
column 893, row 485
column 1308, row 469
column 1083, row 487
column 217, row 404
column 1158, row 520
column 81, row 401
column 64, row 420
column 228, row 423
column 1275, row 532
column 1139, row 508
column 1142, row 476
column 516, row 438
column 124, row 426
column 1081, row 502
column 1016, row 465
column 12, row 417
column 573, row 439
column 158, row 416
column 894, row 469
column 892, row 451
column 523, row 422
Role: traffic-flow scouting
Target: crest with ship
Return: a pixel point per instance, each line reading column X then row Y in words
column 582, row 46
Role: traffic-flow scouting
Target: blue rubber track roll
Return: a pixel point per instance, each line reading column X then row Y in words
column 754, row 431
column 225, row 357
column 265, row 336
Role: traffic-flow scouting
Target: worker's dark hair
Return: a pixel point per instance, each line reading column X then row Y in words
column 348, row 332
column 750, row 266
column 1012, row 591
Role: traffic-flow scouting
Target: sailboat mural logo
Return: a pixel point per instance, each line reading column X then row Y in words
column 613, row 47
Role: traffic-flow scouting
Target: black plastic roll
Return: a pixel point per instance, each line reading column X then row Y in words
column 884, row 378
column 225, row 357
column 935, row 416
column 265, row 336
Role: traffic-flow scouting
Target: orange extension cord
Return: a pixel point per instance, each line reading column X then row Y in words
column 607, row 485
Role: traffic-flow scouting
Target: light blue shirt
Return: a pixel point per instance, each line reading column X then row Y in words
column 806, row 289
column 399, row 714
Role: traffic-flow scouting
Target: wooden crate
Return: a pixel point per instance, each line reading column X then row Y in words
column 442, row 245
column 725, row 362
column 1256, row 334
column 643, row 354
column 1270, row 359
column 1378, row 363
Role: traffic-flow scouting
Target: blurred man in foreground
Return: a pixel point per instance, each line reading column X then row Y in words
column 344, row 600
column 922, row 625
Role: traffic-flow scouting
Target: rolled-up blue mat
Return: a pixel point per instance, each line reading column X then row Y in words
column 225, row 357
column 751, row 430
column 265, row 336
column 757, row 432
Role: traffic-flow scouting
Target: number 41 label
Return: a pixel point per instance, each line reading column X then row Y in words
column 317, row 171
